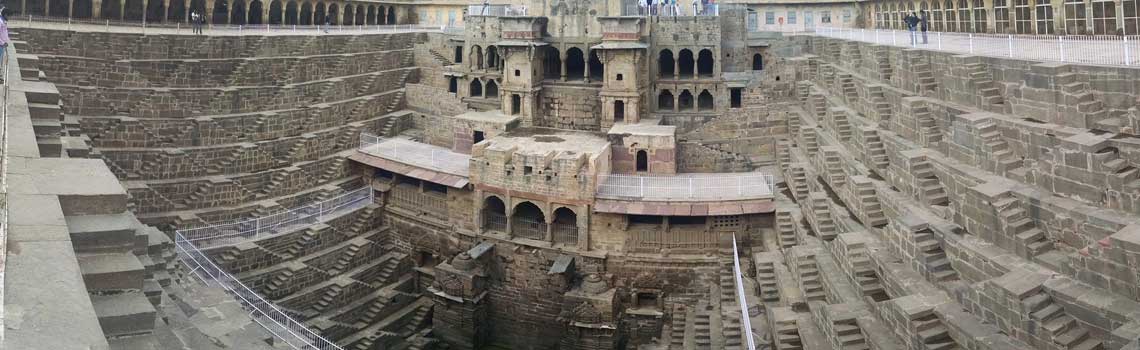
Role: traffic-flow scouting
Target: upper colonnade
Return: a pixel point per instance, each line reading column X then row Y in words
column 1069, row 17
column 235, row 12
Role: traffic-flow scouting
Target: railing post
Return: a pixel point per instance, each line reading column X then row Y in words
column 641, row 187
column 257, row 227
column 971, row 36
column 1061, row 43
column 939, row 41
column 1011, row 45
column 1127, row 59
column 739, row 186
column 690, row 187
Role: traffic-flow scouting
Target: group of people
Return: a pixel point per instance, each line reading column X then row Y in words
column 672, row 8
column 914, row 22
column 197, row 20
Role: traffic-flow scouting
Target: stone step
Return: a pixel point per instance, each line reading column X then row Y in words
column 124, row 314
column 111, row 271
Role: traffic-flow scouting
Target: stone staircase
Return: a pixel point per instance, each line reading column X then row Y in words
column 677, row 327
column 1030, row 240
column 879, row 102
column 1056, row 324
column 278, row 281
column 821, row 220
column 849, row 335
column 799, row 182
column 810, row 279
column 345, row 260
column 440, row 58
column 1005, row 159
column 930, row 188
column 928, row 130
column 786, row 229
column 729, row 305
column 875, row 153
column 306, row 239
column 702, row 327
column 982, row 80
column 787, row 336
column 934, row 257
column 328, row 298
column 933, row 333
column 766, row 279
column 923, row 73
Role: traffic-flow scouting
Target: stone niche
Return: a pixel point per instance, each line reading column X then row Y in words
column 591, row 309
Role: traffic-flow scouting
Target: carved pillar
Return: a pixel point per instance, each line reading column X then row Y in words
column 97, row 9
column 563, row 56
column 165, row 10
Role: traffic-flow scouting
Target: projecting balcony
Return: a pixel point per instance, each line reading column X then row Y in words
column 414, row 159
column 696, row 194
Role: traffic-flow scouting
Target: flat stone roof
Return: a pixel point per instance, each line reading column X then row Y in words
column 542, row 141
column 643, row 128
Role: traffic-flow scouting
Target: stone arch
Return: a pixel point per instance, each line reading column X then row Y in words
column 111, row 10
column 528, row 221
column 492, row 57
column 935, row 15
column 665, row 63
column 492, row 89
column 348, row 15
column 221, row 13
column 894, row 14
column 82, row 10
column 476, row 57
column 291, row 14
column 552, row 64
column 705, row 63
column 705, row 101
column 964, row 22
column 641, row 160
column 320, row 16
column 306, row 14
column 199, row 6
column 360, row 15
column 685, row 63
column 237, row 12
column 381, row 15
column 575, row 63
column 685, row 101
column 391, row 15
column 175, row 13
column 255, row 9
column 133, row 10
column 665, row 100
column 275, row 13
column 565, row 223
column 333, row 12
column 60, row 9
column 476, row 88
column 757, row 62
column 951, row 22
column 597, row 68
column 494, row 213
column 371, row 20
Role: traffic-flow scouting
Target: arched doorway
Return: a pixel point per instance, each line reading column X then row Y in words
column 381, row 16
column 275, row 13
column 552, row 64
column 705, row 63
column 575, row 64
column 494, row 214
column 477, row 57
column 597, row 69
column 371, row 15
column 564, row 229
column 642, row 160
column 255, row 12
column 221, row 13
column 757, row 62
column 516, row 104
column 59, row 9
column 619, row 111
column 360, row 15
column 492, row 58
column 320, row 17
column 176, row 13
column 705, row 101
column 111, row 9
column 133, row 10
column 155, row 11
column 476, row 88
column 685, row 101
column 391, row 15
column 347, row 20
column 492, row 89
column 305, row 17
column 237, row 15
column 291, row 15
column 82, row 9
column 332, row 13
column 665, row 101
column 665, row 63
column 685, row 63
column 528, row 221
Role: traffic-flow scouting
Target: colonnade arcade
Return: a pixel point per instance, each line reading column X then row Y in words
column 216, row 11
column 1068, row 17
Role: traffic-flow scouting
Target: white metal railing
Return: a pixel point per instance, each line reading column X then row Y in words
column 745, row 321
column 273, row 319
column 268, row 225
column 416, row 153
column 689, row 186
column 31, row 21
column 8, row 52
column 1088, row 49
column 496, row 10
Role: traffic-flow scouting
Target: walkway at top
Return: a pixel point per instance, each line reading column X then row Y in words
column 17, row 22
column 1113, row 50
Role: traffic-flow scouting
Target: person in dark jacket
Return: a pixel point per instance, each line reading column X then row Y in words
column 911, row 25
column 923, row 23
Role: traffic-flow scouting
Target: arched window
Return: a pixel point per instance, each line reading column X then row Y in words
column 476, row 57
column 237, row 15
column 333, row 14
column 705, row 101
column 347, row 15
column 176, row 12
column 685, row 62
column 597, row 69
column 155, row 10
column 1045, row 17
column 360, row 12
column 494, row 214
column 528, row 221
column 492, row 89
column 1104, row 16
column 705, row 63
column 979, row 16
column 371, row 20
column 757, row 62
column 935, row 16
column 665, row 63
column 642, row 161
column 1001, row 16
column 951, row 18
column 1022, row 17
column 492, row 58
column 665, row 101
column 964, row 16
column 476, row 88
column 575, row 63
column 291, row 13
column 254, row 11
column 319, row 14
column 685, row 101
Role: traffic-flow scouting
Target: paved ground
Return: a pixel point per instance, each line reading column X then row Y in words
column 1086, row 49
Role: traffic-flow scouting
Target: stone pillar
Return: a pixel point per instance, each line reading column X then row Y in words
column 583, row 228
column 166, row 10
column 70, row 8
column 1119, row 16
column 586, row 61
column 122, row 9
column 96, row 9
column 549, row 219
column 563, row 55
column 677, row 65
column 458, row 293
column 47, row 7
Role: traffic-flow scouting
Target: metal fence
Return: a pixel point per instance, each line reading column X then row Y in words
column 496, row 10
column 494, row 221
column 745, row 321
column 268, row 225
column 1087, row 49
column 696, row 186
column 416, row 153
column 565, row 233
column 410, row 198
column 273, row 319
column 654, row 240
column 31, row 21
column 529, row 229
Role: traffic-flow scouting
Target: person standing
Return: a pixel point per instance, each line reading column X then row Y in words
column 924, row 24
column 328, row 22
column 912, row 24
column 4, row 40
column 642, row 7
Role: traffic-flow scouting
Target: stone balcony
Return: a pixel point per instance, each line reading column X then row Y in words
column 418, row 160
